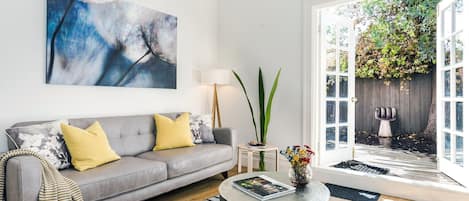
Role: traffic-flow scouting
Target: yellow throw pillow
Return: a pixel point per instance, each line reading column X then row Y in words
column 89, row 148
column 172, row 134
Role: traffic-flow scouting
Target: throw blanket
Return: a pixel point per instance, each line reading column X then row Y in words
column 54, row 186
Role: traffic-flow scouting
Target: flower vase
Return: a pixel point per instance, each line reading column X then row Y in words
column 300, row 175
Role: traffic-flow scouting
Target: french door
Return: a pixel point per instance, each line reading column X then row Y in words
column 452, row 90
column 337, row 63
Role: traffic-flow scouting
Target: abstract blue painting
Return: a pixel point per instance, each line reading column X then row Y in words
column 110, row 43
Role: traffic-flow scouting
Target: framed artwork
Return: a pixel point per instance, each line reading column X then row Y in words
column 110, row 43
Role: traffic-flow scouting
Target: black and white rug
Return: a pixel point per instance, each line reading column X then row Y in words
column 351, row 193
column 361, row 167
column 214, row 198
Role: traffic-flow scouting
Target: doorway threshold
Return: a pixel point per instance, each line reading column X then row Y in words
column 391, row 185
column 411, row 165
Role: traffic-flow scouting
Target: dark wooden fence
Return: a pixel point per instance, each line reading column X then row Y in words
column 412, row 99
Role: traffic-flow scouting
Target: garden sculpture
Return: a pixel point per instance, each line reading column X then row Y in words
column 385, row 115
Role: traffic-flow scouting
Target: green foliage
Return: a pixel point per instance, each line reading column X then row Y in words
column 261, row 104
column 264, row 111
column 269, row 104
column 249, row 103
column 399, row 41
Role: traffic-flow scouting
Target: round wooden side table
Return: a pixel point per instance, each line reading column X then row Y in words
column 251, row 149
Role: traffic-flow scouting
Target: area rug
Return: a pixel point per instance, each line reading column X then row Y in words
column 361, row 167
column 351, row 193
column 214, row 198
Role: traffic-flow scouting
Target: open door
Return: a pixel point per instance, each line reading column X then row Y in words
column 337, row 136
column 452, row 90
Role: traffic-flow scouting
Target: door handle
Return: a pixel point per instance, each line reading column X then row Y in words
column 354, row 99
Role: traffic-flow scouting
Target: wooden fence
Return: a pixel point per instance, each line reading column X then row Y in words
column 412, row 99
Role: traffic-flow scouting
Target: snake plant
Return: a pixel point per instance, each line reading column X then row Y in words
column 264, row 110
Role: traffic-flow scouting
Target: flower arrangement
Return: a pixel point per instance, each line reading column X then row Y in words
column 299, row 157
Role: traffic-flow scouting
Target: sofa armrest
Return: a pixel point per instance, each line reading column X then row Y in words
column 23, row 178
column 227, row 136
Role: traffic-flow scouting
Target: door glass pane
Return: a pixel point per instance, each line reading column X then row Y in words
column 447, row 20
column 343, row 136
column 330, row 34
column 447, row 146
column 459, row 82
column 343, row 86
column 330, row 86
column 343, row 61
column 459, row 151
column 448, row 115
column 330, row 112
column 459, row 21
column 343, row 111
column 330, row 138
column 459, row 117
column 343, row 36
column 447, row 51
column 331, row 59
column 458, row 47
column 447, row 85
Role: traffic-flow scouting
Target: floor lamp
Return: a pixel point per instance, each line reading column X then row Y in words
column 216, row 77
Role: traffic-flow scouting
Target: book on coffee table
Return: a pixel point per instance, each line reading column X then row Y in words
column 263, row 188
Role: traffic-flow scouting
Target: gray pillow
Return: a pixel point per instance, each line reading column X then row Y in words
column 201, row 127
column 46, row 139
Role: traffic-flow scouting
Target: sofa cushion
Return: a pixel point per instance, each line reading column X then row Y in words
column 185, row 160
column 173, row 133
column 127, row 135
column 118, row 177
column 89, row 148
column 45, row 138
column 201, row 127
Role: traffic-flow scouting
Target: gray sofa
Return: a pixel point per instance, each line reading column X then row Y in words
column 140, row 174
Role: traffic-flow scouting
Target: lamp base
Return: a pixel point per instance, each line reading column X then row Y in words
column 215, row 108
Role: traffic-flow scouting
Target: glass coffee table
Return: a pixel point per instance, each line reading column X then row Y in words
column 314, row 191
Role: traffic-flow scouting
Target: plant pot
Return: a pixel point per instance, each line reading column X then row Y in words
column 256, row 144
column 300, row 175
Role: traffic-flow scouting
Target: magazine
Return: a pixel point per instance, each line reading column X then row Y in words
column 263, row 188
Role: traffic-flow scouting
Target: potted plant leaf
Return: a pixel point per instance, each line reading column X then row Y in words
column 264, row 111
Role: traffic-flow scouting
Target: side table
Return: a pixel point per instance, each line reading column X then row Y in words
column 251, row 149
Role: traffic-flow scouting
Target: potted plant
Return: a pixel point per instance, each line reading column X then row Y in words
column 264, row 112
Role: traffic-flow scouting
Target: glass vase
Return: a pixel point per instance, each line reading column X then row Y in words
column 300, row 175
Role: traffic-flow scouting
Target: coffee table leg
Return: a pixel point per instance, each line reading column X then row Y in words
column 240, row 153
column 249, row 161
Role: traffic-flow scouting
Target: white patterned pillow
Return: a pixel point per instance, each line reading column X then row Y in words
column 201, row 127
column 46, row 139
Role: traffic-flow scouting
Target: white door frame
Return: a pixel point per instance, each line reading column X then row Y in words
column 339, row 151
column 311, row 79
column 311, row 101
column 461, row 174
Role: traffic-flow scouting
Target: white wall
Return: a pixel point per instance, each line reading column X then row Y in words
column 25, row 97
column 265, row 33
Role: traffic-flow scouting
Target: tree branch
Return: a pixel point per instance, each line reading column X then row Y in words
column 52, row 41
column 119, row 82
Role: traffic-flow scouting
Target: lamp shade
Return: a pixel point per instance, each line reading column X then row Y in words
column 216, row 76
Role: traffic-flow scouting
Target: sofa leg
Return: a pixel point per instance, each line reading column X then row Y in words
column 225, row 174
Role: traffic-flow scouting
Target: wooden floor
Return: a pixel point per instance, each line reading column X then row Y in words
column 406, row 164
column 207, row 188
